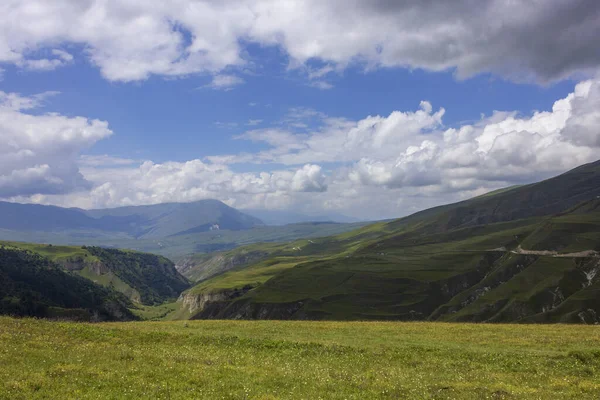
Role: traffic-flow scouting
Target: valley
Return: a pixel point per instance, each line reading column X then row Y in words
column 300, row 199
column 525, row 254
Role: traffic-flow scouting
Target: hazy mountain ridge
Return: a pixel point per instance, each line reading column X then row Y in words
column 152, row 221
column 283, row 217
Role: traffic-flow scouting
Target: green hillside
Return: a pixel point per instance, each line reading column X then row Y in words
column 34, row 286
column 143, row 278
column 505, row 256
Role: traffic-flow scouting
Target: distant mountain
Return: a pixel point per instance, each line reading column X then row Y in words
column 525, row 254
column 35, row 217
column 281, row 217
column 153, row 221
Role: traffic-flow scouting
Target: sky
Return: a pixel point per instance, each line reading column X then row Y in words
column 369, row 108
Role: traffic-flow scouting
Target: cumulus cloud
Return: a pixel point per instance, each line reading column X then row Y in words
column 39, row 152
column 583, row 124
column 411, row 156
column 128, row 41
column 503, row 148
column 152, row 183
column 341, row 140
column 380, row 166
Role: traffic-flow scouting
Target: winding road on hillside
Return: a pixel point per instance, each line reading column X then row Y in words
column 579, row 254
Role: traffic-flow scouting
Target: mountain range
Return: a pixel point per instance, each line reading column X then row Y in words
column 174, row 230
column 522, row 254
column 160, row 220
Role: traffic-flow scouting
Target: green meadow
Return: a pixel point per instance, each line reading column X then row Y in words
column 296, row 360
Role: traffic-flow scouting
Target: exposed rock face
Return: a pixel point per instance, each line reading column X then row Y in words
column 196, row 303
column 77, row 264
column 222, row 305
column 204, row 268
column 589, row 316
column 98, row 268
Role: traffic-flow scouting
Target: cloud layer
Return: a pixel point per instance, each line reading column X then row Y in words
column 380, row 166
column 132, row 40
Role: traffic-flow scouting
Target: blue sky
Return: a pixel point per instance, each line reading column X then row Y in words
column 298, row 107
column 180, row 119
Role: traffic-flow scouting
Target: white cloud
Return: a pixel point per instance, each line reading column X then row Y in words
column 254, row 122
column 224, row 82
column 39, row 152
column 131, row 40
column 583, row 124
column 380, row 166
column 320, row 72
column 309, row 178
column 152, row 183
column 16, row 102
column 60, row 59
column 503, row 148
column 341, row 140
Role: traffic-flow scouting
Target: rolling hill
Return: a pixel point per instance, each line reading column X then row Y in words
column 144, row 279
column 528, row 253
column 34, row 286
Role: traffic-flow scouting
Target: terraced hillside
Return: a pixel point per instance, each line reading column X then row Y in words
column 528, row 253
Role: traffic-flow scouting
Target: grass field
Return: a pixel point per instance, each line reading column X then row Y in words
column 297, row 360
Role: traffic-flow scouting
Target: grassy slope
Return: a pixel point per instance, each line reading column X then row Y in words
column 143, row 278
column 297, row 360
column 33, row 285
column 400, row 275
column 410, row 267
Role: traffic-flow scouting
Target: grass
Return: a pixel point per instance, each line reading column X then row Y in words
column 111, row 280
column 58, row 254
column 154, row 313
column 297, row 360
